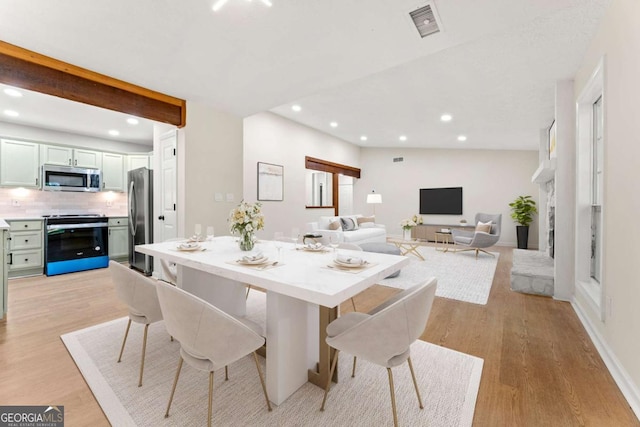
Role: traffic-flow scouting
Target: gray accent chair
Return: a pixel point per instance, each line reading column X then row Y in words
column 209, row 338
column 384, row 335
column 138, row 292
column 477, row 240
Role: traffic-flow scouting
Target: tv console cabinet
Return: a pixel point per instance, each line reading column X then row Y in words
column 428, row 231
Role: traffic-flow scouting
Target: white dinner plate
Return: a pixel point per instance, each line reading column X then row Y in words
column 189, row 247
column 253, row 261
column 349, row 265
column 310, row 249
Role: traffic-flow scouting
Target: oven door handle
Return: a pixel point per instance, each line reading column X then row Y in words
column 71, row 226
column 132, row 209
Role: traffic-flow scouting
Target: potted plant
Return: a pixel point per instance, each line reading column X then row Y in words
column 522, row 210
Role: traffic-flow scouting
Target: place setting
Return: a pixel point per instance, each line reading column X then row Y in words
column 189, row 246
column 349, row 263
column 257, row 261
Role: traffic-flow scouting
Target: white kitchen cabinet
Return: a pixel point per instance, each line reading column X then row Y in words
column 19, row 164
column 26, row 247
column 112, row 172
column 135, row 161
column 4, row 285
column 118, row 238
column 67, row 156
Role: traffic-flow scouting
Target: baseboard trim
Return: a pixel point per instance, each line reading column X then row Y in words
column 629, row 390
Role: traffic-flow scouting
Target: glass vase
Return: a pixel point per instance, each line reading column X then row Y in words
column 246, row 241
column 406, row 234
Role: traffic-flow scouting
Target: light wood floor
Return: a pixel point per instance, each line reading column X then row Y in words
column 540, row 368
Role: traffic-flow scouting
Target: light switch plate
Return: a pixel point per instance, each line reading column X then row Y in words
column 218, row 197
column 230, row 197
column 15, row 202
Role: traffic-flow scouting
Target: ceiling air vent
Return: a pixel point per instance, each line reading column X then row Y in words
column 398, row 159
column 425, row 20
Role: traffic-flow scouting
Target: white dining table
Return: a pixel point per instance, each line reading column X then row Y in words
column 304, row 290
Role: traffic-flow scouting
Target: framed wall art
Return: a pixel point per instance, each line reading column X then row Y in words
column 270, row 182
column 552, row 140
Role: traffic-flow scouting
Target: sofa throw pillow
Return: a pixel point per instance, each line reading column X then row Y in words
column 367, row 225
column 348, row 224
column 335, row 225
column 366, row 219
column 484, row 227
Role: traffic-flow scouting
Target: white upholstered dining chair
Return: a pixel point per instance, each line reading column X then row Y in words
column 170, row 269
column 209, row 338
column 384, row 335
column 138, row 292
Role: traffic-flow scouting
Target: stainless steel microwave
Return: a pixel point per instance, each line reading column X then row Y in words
column 67, row 178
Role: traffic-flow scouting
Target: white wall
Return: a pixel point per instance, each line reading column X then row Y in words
column 35, row 134
column 490, row 181
column 209, row 162
column 619, row 39
column 273, row 139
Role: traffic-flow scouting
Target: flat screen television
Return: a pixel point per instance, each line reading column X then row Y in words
column 441, row 201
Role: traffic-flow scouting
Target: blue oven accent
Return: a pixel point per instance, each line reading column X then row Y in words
column 62, row 267
column 75, row 243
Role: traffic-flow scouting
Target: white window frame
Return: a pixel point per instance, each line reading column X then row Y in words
column 592, row 291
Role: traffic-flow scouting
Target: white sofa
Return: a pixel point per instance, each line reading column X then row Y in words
column 363, row 234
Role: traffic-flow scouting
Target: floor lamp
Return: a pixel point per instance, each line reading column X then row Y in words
column 374, row 199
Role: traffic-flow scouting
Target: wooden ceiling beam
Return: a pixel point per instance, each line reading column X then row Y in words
column 29, row 70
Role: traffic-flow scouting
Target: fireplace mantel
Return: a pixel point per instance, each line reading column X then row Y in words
column 545, row 172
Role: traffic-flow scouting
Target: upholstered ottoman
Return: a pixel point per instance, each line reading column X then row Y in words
column 382, row 248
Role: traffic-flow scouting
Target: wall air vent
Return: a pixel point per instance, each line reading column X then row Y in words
column 425, row 20
column 398, row 159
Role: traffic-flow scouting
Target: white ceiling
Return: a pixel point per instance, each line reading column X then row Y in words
column 360, row 63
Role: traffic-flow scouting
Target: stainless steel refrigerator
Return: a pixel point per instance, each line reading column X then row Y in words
column 140, row 217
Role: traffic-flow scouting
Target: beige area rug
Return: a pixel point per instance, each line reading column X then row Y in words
column 448, row 380
column 460, row 275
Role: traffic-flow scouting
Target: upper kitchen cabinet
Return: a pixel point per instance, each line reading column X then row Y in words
column 67, row 156
column 112, row 172
column 19, row 164
column 135, row 161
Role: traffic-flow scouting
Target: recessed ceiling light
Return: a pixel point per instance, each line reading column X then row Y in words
column 446, row 117
column 296, row 108
column 11, row 113
column 114, row 132
column 402, row 138
column 267, row 3
column 462, row 138
column 13, row 92
column 363, row 138
column 133, row 121
column 333, row 124
column 218, row 5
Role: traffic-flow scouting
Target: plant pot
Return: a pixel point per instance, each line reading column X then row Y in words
column 406, row 234
column 522, row 232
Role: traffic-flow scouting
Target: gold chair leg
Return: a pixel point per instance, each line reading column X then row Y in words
column 393, row 398
column 264, row 387
column 415, row 383
column 226, row 373
column 353, row 303
column 171, row 338
column 248, row 289
column 353, row 371
column 210, row 398
column 333, row 368
column 144, row 350
column 124, row 340
column 173, row 390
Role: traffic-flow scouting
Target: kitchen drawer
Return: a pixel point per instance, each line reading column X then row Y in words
column 115, row 222
column 25, row 225
column 25, row 240
column 25, row 259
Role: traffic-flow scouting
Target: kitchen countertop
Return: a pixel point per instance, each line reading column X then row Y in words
column 3, row 225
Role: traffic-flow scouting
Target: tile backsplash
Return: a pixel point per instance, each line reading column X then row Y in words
column 20, row 202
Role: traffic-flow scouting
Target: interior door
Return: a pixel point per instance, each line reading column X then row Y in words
column 168, row 217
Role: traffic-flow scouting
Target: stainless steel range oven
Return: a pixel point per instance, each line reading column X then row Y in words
column 75, row 243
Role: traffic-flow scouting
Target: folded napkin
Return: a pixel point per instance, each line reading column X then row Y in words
column 254, row 257
column 314, row 245
column 345, row 259
column 188, row 245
